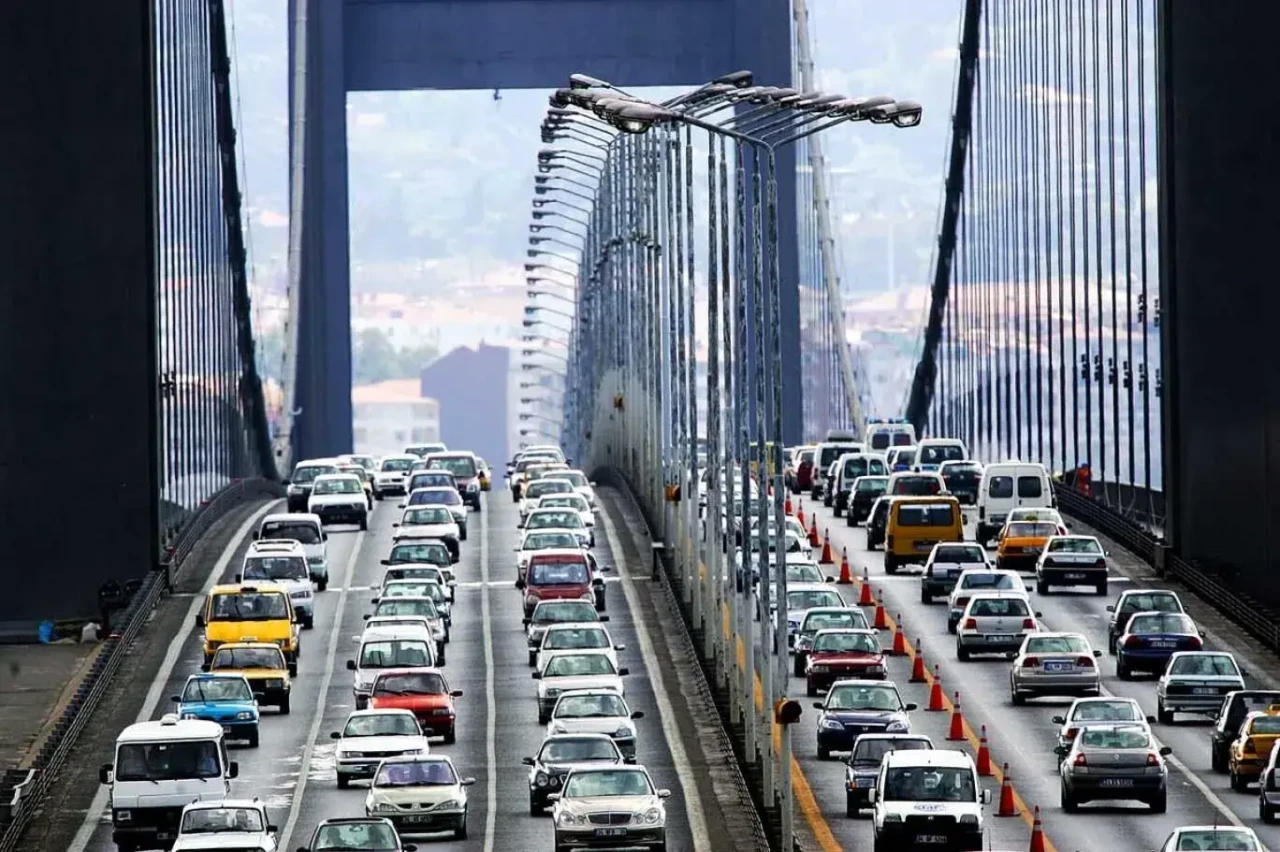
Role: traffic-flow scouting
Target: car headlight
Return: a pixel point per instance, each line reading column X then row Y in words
column 244, row 715
column 385, row 808
column 295, row 489
column 899, row 727
column 875, row 669
column 832, row 725
column 650, row 817
column 540, row 780
column 190, row 716
column 552, row 692
column 449, row 805
column 412, row 751
column 588, row 595
column 124, row 816
column 558, row 728
column 818, row 669
column 315, row 560
column 623, row 733
column 893, row 817
column 570, row 818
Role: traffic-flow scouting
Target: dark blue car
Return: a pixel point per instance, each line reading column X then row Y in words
column 1151, row 638
column 222, row 698
column 856, row 707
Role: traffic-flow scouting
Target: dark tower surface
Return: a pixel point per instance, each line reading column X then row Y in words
column 471, row 386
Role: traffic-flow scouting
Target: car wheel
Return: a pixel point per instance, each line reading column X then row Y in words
column 1122, row 671
column 284, row 705
column 951, row 626
column 1101, row 590
column 364, row 522
column 293, row 670
column 461, row 832
column 850, row 806
column 837, row 511
column 253, row 738
column 809, row 690
column 1217, row 759
column 797, row 666
column 1042, row 588
column 1016, row 698
column 925, row 597
column 343, row 782
column 1266, row 814
column 533, row 658
column 1068, row 801
column 824, row 753
column 322, row 584
column 1163, row 716
column 1237, row 783
column 309, row 622
column 463, row 534
column 440, row 653
column 535, row 810
column 850, row 522
column 449, row 739
column 961, row 653
column 543, row 718
column 1160, row 803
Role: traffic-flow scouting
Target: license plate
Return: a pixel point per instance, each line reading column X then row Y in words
column 931, row 838
column 1204, row 690
column 611, row 832
column 1057, row 667
column 1116, row 782
column 1001, row 637
column 416, row 818
column 1163, row 643
column 1075, row 576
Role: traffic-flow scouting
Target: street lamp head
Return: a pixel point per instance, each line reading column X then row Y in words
column 540, row 189
column 860, row 108
column 737, row 79
column 533, row 252
column 585, row 81
column 636, row 117
column 534, row 228
column 745, row 94
column 560, row 98
column 603, row 107
column 820, row 102
column 540, row 214
column 906, row 114
column 530, row 267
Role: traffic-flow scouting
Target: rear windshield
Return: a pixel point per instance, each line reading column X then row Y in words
column 847, row 643
column 962, row 554
column 816, row 621
column 396, row 464
column 304, row 474
column 997, row 607
column 1074, row 545
column 568, row 611
column 564, row 520
column 299, row 531
column 939, row 515
column 863, row 466
column 1025, row 529
column 460, row 466
column 275, row 568
column 940, row 454
column 1104, row 738
column 539, row 487
column 1217, row 839
column 395, row 654
column 1056, row 645
column 557, row 573
column 430, row 552
column 1163, row 623
column 249, row 606
column 916, row 486
column 1157, row 602
column 831, row 453
column 986, row 580
column 871, row 752
column 805, row 599
column 905, row 457
column 1206, row 665
column 1266, row 725
column 869, row 485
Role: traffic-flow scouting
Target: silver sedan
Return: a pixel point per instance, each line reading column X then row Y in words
column 1114, row 762
column 1054, row 664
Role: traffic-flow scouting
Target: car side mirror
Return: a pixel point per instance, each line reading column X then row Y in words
column 399, row 505
column 467, row 782
column 324, row 536
column 592, row 483
column 236, row 578
column 374, row 601
column 366, row 616
column 351, row 665
column 410, row 847
column 637, row 714
column 233, row 770
column 303, row 849
column 175, row 699
column 527, row 761
column 526, row 621
column 273, row 829
column 604, row 618
column 104, row 773
column 255, row 535
column 664, row 794
column 1165, row 751
column 1244, row 673
column 536, row 675
column 910, row 707
column 1097, row 654
column 200, row 619
column 395, row 523
column 385, row 561
column 520, row 584
column 629, row 759
column 1151, row 720
column 457, row 693
column 1039, row 615
column 624, row 671
column 1201, row 634
column 335, row 736
column 1060, row 750
column 204, row 667
column 515, row 550
column 817, row 705
column 619, row 647
column 1059, row 720
column 985, row 797
column 1110, row 608
column 1028, row 588
column 598, row 582
column 553, row 797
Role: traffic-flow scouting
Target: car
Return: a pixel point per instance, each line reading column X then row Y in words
column 928, row 799
column 1252, row 748
column 422, row 691
column 878, row 521
column 366, row 480
column 449, row 498
column 250, row 613
column 427, row 478
column 308, row 531
column 544, row 539
column 222, row 698
column 995, row 623
column 946, row 562
column 371, row 736
column 1088, row 712
column 369, row 463
column 962, row 479
column 911, row 483
column 485, row 474
column 559, row 519
column 1269, row 790
column 1116, row 762
column 225, row 824
column 975, row 580
column 551, row 612
column 428, row 551
column 863, row 494
column 580, row 483
column 1226, row 727
column 422, row 606
column 402, row 646
column 571, row 500
column 303, row 479
column 420, row 794
column 338, row 498
column 900, row 459
column 535, row 491
column 801, row 599
column 852, row 467
column 840, row 654
column 863, row 765
column 424, row 575
column 427, row 587
column 430, row 522
column 519, row 467
column 855, row 707
column 1071, row 560
column 1196, row 682
column 560, row 754
column 596, row 711
column 559, row 638
column 1020, row 545
column 1151, row 638
column 624, row 797
column 1039, row 515
column 1133, row 601
column 284, row 562
column 932, row 453
column 465, row 470
column 1007, row 486
column 1213, row 838
column 576, row 670
column 1054, row 664
column 820, row 618
column 368, row 834
column 262, row 665
column 825, row 455
column 392, row 475
column 559, row 575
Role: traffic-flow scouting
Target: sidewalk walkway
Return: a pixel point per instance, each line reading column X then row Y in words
column 36, row 683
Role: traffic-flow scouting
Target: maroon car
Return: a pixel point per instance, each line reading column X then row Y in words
column 804, row 472
column 560, row 575
column 841, row 654
column 466, row 473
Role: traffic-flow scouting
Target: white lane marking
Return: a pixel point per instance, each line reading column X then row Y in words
column 331, row 653
column 692, row 802
column 490, row 697
column 149, row 704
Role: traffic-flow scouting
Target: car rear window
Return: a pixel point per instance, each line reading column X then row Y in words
column 999, row 607
column 940, row 515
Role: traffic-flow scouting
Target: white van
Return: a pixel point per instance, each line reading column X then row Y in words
column 1007, row 486
column 885, row 434
column 932, row 452
column 307, row 530
column 282, row 561
column 160, row 768
column 397, row 648
column 928, row 799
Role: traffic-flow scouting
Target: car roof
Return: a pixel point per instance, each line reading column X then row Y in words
column 575, row 625
column 859, row 681
column 215, row 676
column 929, row 757
column 584, row 735
column 251, row 587
column 828, row 631
column 217, row 804
column 251, row 645
column 282, row 545
column 292, row 517
column 325, row 462
column 400, row 670
column 380, row 711
column 559, row 551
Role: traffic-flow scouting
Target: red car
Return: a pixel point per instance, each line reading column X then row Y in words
column 560, row 575
column 843, row 654
column 804, row 472
column 423, row 691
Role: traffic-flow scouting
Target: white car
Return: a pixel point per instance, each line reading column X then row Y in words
column 559, row 519
column 420, row 793
column 596, row 711
column 946, row 562
column 572, row 500
column 995, row 623
column 592, row 796
column 540, row 488
column 284, row 562
column 1072, row 560
column 1103, row 710
column 423, row 571
column 582, row 670
column 1038, row 515
column 389, row 646
column 339, row 498
column 1054, row 664
column 580, row 636
column 225, row 824
column 392, row 475
column 981, row 580
column 580, row 483
column 1195, row 682
column 430, row 522
column 801, row 599
column 1213, row 838
column 387, row 733
column 422, row 606
column 449, row 498
column 557, row 611
column 544, row 539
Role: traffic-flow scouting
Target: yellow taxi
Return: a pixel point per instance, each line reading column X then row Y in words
column 262, row 664
column 1021, row 542
column 485, row 481
column 257, row 612
column 915, row 525
column 1251, row 750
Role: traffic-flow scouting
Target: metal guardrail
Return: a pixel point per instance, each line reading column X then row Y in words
column 29, row 795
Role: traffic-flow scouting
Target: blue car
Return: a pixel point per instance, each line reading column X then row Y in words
column 1151, row 638
column 222, row 698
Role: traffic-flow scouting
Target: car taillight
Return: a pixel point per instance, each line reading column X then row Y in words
column 1028, row 624
column 971, row 624
column 888, row 543
column 1194, row 643
column 1085, row 662
column 1080, row 760
column 1101, row 563
column 1049, row 563
column 1249, row 747
column 1132, row 642
column 1071, row 733
column 1152, row 759
column 1030, row 662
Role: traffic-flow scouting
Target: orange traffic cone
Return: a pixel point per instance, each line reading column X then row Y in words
column 957, row 722
column 800, row 513
column 917, row 668
column 845, row 576
column 899, row 641
column 787, row 506
column 984, row 755
column 936, row 704
column 1007, row 808
column 813, row 532
column 826, row 549
column 865, row 598
column 1037, row 832
column 881, row 621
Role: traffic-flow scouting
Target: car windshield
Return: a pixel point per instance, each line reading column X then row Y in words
column 463, row 467
column 396, row 464
column 906, row 457
column 962, row 467
column 408, row 589
column 394, row 654
column 207, row 690
column 542, row 487
column 808, row 599
column 426, row 516
column 1114, row 738
column 248, row 658
column 573, row 637
column 410, row 683
column 300, row 531
column 1150, row 602
column 529, row 461
column 249, row 606
column 1218, row 839
column 574, row 478
column 382, row 725
column 598, row 706
column 416, row 773
column 935, row 515
column 1029, row 529
column 988, row 580
column 1105, row 711
column 815, row 621
column 846, row 643
column 560, row 519
column 431, row 552
column 859, row 697
column 566, row 501
column 937, row 454
column 577, row 665
column 275, row 568
column 869, row 752
column 343, row 485
column 1204, row 665
column 435, row 497
column 356, row 471
column 356, row 837
column 930, row 784
column 405, row 606
column 1165, row 622
column 999, row 607
column 424, row 450
column 576, row 751
column 396, row 575
column 304, row 474
column 617, row 782
column 439, row 479
column 1074, row 545
column 166, row 761
column 961, row 555
column 1057, row 645
column 551, row 613
column 871, row 485
column 551, row 541
column 557, row 573
column 214, row 820
column 1265, row 725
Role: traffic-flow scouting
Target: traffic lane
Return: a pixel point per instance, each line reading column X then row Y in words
column 271, row 770
column 463, row 669
column 1022, row 737
column 518, row 733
